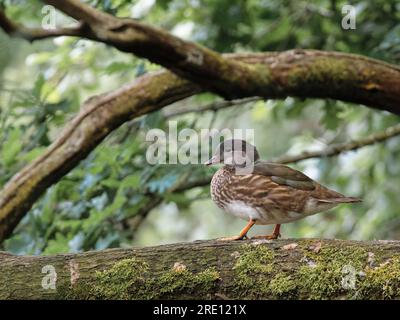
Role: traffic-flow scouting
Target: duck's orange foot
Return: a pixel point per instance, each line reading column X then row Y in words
column 275, row 235
column 268, row 237
column 242, row 235
column 239, row 237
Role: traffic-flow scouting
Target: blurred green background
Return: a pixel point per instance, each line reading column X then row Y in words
column 105, row 201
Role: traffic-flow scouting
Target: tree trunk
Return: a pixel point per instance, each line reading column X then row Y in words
column 252, row 269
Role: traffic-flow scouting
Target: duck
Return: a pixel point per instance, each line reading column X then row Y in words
column 265, row 193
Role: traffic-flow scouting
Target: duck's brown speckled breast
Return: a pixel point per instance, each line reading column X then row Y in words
column 220, row 187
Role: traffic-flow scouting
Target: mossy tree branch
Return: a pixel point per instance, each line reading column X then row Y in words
column 255, row 269
column 275, row 75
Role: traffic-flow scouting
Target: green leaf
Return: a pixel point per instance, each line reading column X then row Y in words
column 12, row 147
column 38, row 86
column 132, row 181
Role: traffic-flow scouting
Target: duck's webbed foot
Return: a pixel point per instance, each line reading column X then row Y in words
column 243, row 233
column 275, row 235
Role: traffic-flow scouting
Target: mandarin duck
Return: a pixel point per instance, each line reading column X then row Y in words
column 263, row 192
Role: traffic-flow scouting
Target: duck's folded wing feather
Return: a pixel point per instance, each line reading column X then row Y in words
column 284, row 175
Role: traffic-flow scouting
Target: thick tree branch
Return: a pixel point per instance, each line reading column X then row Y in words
column 248, row 269
column 231, row 78
column 190, row 60
column 366, row 81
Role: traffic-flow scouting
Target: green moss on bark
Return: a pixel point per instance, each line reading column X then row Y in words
column 328, row 272
column 130, row 279
column 283, row 286
column 308, row 269
column 184, row 283
column 323, row 70
column 383, row 281
column 125, row 280
column 252, row 270
column 337, row 271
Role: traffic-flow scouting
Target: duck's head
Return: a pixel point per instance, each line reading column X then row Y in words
column 234, row 153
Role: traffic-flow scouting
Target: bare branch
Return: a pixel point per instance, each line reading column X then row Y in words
column 335, row 149
column 214, row 106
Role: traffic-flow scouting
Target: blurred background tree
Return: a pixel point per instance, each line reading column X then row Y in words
column 114, row 198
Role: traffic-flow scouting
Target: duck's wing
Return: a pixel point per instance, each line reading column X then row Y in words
column 284, row 175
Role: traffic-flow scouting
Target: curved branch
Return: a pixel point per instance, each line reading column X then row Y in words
column 299, row 73
column 377, row 87
column 187, row 59
column 338, row 148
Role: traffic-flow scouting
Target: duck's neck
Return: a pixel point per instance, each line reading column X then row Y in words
column 233, row 169
column 230, row 169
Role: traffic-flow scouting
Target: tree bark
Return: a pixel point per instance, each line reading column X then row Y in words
column 251, row 269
